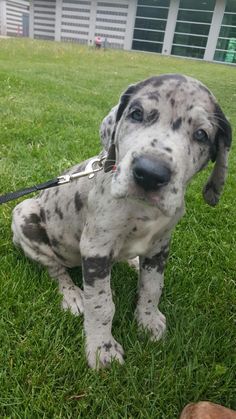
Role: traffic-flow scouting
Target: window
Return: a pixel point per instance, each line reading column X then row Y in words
column 150, row 25
column 192, row 28
column 226, row 44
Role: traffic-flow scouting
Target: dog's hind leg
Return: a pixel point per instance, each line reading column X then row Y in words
column 29, row 232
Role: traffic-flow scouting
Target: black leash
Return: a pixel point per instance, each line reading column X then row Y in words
column 93, row 166
column 17, row 194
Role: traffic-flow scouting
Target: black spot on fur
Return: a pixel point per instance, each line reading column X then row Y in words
column 190, row 121
column 48, row 214
column 108, row 132
column 35, row 232
column 172, row 101
column 33, row 218
column 78, row 201
column 54, row 242
column 168, row 149
column 157, row 262
column 95, row 268
column 153, row 96
column 154, row 142
column 42, row 215
column 107, row 346
column 152, row 117
column 177, row 124
column 59, row 212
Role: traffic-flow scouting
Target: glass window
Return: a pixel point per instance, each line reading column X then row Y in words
column 153, row 12
column 199, row 5
column 160, row 3
column 192, row 27
column 229, row 19
column 188, row 27
column 147, row 46
column 226, row 43
column 159, row 25
column 150, row 25
column 227, row 32
column 195, row 16
column 231, row 6
column 198, row 41
column 149, row 35
column 226, row 57
column 187, row 51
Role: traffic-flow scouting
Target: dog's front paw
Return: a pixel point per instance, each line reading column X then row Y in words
column 100, row 355
column 73, row 300
column 153, row 321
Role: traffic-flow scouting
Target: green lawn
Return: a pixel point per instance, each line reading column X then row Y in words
column 53, row 98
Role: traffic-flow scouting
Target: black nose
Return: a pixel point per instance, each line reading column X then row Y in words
column 150, row 174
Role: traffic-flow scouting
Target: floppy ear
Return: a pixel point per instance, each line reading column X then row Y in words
column 214, row 186
column 110, row 142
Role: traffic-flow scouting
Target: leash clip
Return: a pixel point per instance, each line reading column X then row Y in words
column 93, row 166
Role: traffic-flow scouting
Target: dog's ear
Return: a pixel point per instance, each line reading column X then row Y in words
column 109, row 140
column 214, row 186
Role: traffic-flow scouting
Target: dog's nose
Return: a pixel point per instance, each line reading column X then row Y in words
column 150, row 174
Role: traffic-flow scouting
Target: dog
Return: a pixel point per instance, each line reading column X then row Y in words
column 163, row 131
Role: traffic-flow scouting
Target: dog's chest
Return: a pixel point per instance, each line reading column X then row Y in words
column 143, row 237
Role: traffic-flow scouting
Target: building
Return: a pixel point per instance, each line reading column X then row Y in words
column 202, row 29
column 14, row 17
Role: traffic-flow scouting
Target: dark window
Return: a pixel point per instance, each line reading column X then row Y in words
column 191, row 16
column 226, row 44
column 152, row 12
column 159, row 25
column 228, row 57
column 187, row 51
column 191, row 40
column 160, row 3
column 149, row 35
column 231, row 6
column 199, row 5
column 229, row 19
column 188, row 27
column 227, row 32
column 147, row 46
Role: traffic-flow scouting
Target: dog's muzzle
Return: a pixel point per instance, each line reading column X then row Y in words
column 150, row 174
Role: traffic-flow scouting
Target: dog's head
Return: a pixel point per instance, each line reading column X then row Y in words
column 163, row 131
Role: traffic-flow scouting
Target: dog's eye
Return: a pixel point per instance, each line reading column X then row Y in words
column 200, row 135
column 137, row 115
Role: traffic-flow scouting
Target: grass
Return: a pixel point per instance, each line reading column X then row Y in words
column 53, row 98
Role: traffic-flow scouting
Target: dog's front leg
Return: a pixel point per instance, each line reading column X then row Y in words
column 99, row 309
column 150, row 288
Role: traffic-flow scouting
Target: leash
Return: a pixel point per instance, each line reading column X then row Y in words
column 93, row 166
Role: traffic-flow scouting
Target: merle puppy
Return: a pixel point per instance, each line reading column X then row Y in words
column 163, row 131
